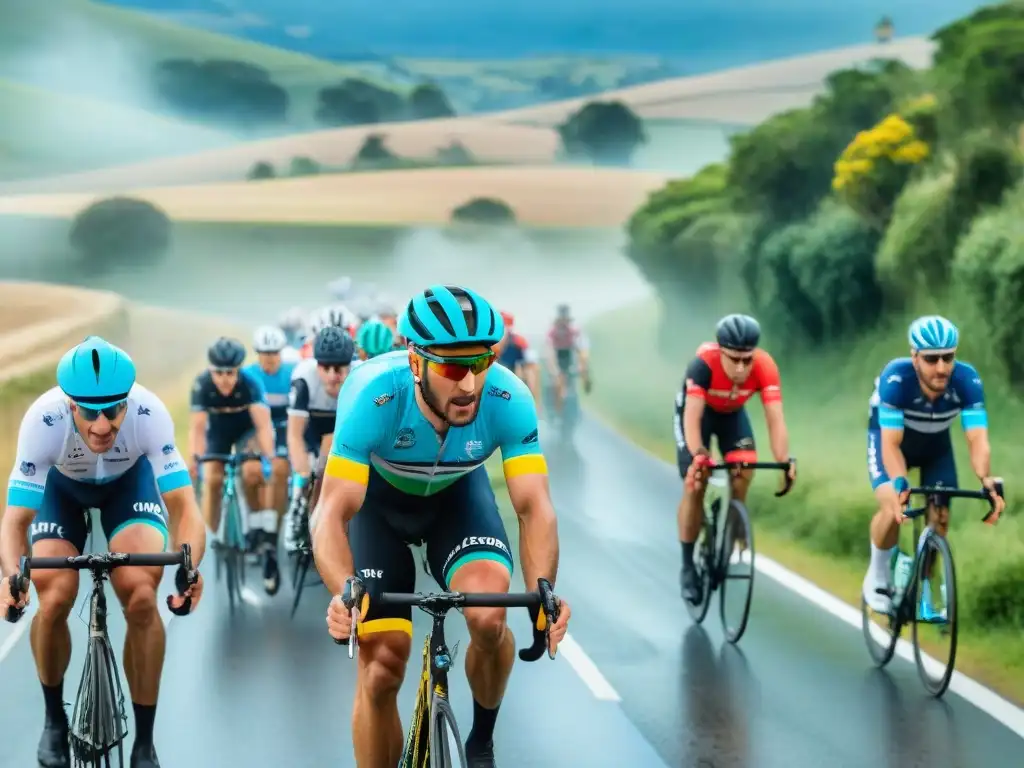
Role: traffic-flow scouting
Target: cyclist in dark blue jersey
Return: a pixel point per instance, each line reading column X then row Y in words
column 229, row 410
column 413, row 431
column 916, row 400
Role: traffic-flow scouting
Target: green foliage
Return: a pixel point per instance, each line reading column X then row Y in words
column 357, row 102
column 455, row 154
column 484, row 210
column 304, row 166
column 261, row 170
column 987, row 165
column 374, row 154
column 120, row 231
column 427, row 101
column 604, row 132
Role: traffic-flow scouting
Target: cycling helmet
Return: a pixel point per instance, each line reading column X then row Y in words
column 385, row 308
column 340, row 288
column 226, row 353
column 932, row 332
column 443, row 315
column 739, row 332
column 269, row 338
column 292, row 320
column 564, row 311
column 333, row 346
column 375, row 338
column 96, row 374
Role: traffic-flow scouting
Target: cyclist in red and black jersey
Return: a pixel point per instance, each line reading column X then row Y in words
column 719, row 380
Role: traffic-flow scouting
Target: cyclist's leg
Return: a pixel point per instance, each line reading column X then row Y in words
column 280, row 472
column 383, row 561
column 468, row 551
column 58, row 530
column 940, row 470
column 220, row 436
column 135, row 521
column 736, row 442
column 252, row 478
column 690, row 515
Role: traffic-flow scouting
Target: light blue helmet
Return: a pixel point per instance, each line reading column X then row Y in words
column 932, row 332
column 96, row 374
column 447, row 314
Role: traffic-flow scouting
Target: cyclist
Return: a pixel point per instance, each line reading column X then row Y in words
column 337, row 315
column 407, row 465
column 914, row 404
column 374, row 338
column 229, row 407
column 566, row 346
column 719, row 380
column 81, row 446
column 275, row 376
column 515, row 353
column 312, row 406
column 293, row 323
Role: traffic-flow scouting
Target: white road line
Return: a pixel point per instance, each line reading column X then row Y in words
column 250, row 597
column 12, row 639
column 587, row 670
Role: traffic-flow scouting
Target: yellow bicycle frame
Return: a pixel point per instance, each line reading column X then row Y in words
column 416, row 754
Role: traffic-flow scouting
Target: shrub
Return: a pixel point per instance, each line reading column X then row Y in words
column 874, row 167
column 987, row 165
column 374, row 153
column 916, row 253
column 781, row 300
column 484, row 210
column 121, row 230
column 604, row 132
column 261, row 170
column 454, row 154
column 304, row 166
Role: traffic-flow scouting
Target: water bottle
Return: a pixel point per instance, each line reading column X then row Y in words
column 903, row 568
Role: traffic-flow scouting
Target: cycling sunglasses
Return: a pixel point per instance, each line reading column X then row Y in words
column 111, row 411
column 740, row 359
column 456, row 368
column 333, row 367
column 223, row 371
column 932, row 359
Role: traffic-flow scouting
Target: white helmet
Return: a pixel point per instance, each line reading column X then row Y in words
column 269, row 338
column 335, row 314
column 340, row 288
column 293, row 319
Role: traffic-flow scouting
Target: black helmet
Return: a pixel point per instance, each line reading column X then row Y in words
column 333, row 346
column 739, row 332
column 563, row 310
column 226, row 353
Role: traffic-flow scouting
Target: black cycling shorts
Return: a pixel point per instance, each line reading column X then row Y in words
column 458, row 524
column 733, row 432
column 316, row 428
column 227, row 431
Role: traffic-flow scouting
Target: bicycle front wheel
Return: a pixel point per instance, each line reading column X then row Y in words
column 736, row 561
column 446, row 750
column 935, row 615
column 704, row 564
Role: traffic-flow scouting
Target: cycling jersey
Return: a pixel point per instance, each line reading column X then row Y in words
column 382, row 425
column 899, row 403
column 517, row 351
column 229, row 424
column 276, row 386
column 707, row 380
column 310, row 400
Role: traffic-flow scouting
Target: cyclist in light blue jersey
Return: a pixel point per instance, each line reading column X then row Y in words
column 916, row 400
column 413, row 431
column 276, row 377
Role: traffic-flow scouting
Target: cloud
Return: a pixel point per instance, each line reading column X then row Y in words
column 299, row 31
column 215, row 22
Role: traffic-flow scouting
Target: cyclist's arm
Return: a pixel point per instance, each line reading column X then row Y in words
column 298, row 419
column 890, row 422
column 172, row 481
column 974, row 419
column 259, row 412
column 696, row 383
column 531, row 374
column 39, row 447
column 769, row 382
column 551, row 358
column 583, row 353
column 526, row 475
column 197, row 423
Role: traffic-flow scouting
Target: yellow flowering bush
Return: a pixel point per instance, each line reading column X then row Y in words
column 874, row 166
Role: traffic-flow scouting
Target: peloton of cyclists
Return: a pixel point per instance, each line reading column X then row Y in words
column 516, row 354
column 567, row 353
column 915, row 401
column 718, row 381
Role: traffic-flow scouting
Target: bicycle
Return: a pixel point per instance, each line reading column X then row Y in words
column 230, row 545
column 434, row 737
column 714, row 549
column 908, row 604
column 99, row 722
column 303, row 544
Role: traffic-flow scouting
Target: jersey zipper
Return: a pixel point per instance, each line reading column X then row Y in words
column 437, row 460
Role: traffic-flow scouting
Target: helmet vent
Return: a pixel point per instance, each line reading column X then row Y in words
column 96, row 363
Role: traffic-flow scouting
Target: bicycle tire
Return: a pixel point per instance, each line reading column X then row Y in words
column 704, row 563
column 737, row 512
column 301, row 567
column 940, row 545
column 444, row 731
column 100, row 706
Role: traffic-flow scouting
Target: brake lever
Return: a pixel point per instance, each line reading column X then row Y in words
column 18, row 585
column 184, row 577
column 549, row 607
column 998, row 482
column 353, row 596
column 789, row 482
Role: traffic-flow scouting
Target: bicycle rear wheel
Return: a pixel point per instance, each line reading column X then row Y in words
column 446, row 750
column 301, row 568
column 704, row 563
column 736, row 561
column 939, row 627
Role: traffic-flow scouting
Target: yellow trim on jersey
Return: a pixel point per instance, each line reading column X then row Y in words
column 531, row 464
column 346, row 469
column 373, row 626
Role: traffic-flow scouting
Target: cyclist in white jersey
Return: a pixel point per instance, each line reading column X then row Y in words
column 81, row 446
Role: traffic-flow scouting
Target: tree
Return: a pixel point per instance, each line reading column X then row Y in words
column 605, row 132
column 261, row 170
column 119, row 231
column 484, row 210
column 427, row 101
column 454, row 154
column 374, row 154
column 304, row 166
column 357, row 102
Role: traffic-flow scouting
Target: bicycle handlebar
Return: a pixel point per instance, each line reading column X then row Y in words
column 955, row 493
column 781, row 465
column 543, row 606
column 104, row 562
column 229, row 458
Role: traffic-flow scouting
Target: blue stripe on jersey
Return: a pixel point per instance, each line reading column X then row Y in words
column 173, row 481
column 974, row 418
column 889, row 417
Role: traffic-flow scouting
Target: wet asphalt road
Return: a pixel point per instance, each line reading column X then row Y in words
column 258, row 690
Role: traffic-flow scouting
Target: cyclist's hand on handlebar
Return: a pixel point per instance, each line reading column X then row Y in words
column 345, row 610
column 11, row 607
column 557, row 632
column 696, row 475
column 998, row 502
column 189, row 588
column 896, row 498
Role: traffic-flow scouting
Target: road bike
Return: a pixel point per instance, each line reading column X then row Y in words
column 731, row 544
column 914, row 593
column 299, row 518
column 99, row 723
column 230, row 545
column 434, row 740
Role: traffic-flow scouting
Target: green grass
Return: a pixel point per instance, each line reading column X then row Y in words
column 821, row 529
column 513, row 74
